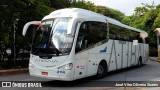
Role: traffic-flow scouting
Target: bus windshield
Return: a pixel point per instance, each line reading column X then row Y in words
column 51, row 38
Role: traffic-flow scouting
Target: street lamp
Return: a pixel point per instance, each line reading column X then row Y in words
column 157, row 30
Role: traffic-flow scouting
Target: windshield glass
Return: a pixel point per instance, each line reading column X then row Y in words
column 51, row 38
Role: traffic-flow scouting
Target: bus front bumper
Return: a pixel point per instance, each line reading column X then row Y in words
column 51, row 74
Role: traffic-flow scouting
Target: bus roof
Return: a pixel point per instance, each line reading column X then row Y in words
column 87, row 16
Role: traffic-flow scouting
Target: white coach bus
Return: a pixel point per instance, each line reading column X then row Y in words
column 74, row 43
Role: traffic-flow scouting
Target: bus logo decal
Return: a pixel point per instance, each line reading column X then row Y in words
column 104, row 50
column 46, row 60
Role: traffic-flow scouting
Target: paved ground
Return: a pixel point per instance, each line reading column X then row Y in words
column 148, row 72
column 154, row 59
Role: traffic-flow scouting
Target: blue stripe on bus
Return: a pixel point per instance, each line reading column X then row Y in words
column 104, row 50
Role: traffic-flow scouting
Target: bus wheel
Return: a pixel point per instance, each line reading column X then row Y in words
column 102, row 70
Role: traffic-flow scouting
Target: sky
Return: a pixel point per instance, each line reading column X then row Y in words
column 125, row 6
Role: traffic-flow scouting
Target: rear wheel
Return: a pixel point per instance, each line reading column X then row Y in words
column 102, row 70
column 139, row 62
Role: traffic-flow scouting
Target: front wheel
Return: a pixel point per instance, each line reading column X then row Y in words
column 101, row 71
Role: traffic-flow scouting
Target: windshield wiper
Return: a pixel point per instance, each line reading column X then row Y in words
column 49, row 51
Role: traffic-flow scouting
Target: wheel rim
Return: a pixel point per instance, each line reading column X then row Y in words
column 100, row 70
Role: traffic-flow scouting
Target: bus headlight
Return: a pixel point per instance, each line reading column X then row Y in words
column 68, row 66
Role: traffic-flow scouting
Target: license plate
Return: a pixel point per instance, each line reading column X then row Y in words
column 44, row 73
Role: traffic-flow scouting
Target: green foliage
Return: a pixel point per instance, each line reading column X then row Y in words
column 109, row 12
column 59, row 4
column 99, row 9
column 146, row 18
column 24, row 11
column 157, row 20
column 82, row 4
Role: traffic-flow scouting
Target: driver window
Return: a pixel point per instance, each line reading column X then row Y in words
column 82, row 38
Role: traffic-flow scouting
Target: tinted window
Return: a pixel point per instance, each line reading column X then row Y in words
column 97, row 32
column 118, row 33
column 123, row 34
column 91, row 33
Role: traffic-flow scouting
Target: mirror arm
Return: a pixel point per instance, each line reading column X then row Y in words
column 27, row 25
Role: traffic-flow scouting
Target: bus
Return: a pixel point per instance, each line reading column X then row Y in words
column 74, row 43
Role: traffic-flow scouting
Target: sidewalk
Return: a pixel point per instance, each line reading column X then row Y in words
column 154, row 59
column 13, row 71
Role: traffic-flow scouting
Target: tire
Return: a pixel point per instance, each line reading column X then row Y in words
column 139, row 63
column 101, row 71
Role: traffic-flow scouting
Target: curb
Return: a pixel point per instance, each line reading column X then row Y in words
column 13, row 71
column 154, row 60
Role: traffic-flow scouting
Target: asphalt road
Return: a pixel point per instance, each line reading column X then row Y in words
column 148, row 72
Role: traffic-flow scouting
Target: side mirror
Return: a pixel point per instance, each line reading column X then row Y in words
column 72, row 24
column 143, row 35
column 157, row 30
column 25, row 28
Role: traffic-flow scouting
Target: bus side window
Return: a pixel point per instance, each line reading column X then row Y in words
column 140, row 40
column 112, row 36
column 112, row 32
column 97, row 32
column 146, row 40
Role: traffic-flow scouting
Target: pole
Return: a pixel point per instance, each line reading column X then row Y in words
column 157, row 42
column 14, row 37
column 158, row 49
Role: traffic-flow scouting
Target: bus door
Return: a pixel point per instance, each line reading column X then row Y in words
column 80, row 64
column 81, row 53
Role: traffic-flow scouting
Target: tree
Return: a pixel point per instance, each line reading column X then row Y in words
column 146, row 18
column 112, row 13
column 59, row 4
column 19, row 12
column 145, row 8
column 83, row 4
